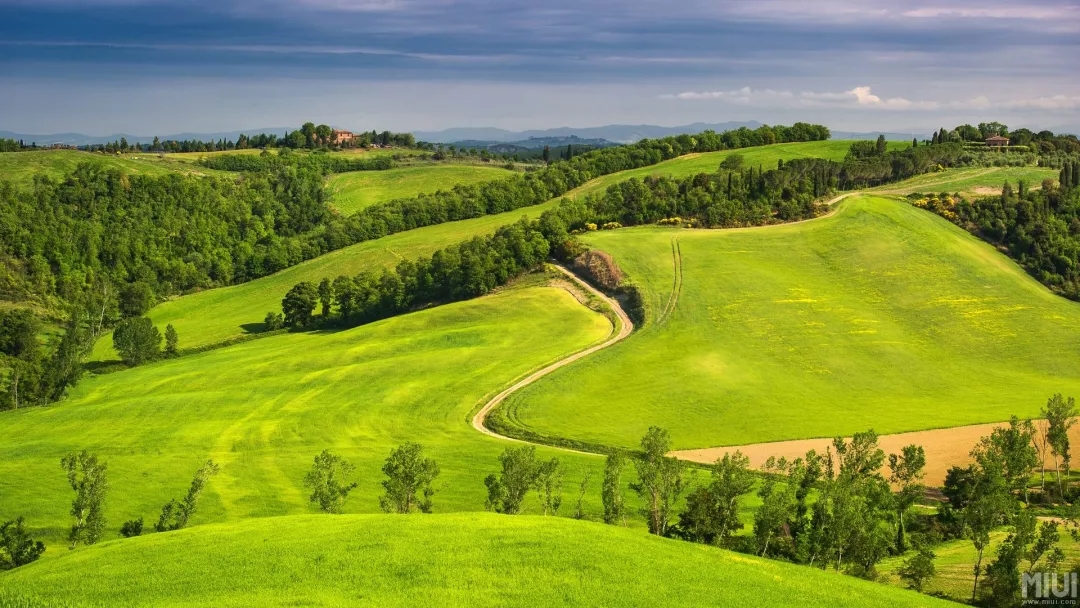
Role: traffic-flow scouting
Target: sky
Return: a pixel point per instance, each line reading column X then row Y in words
column 167, row 66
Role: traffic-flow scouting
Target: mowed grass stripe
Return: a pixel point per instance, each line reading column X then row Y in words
column 264, row 409
column 971, row 181
column 475, row 559
column 351, row 192
column 880, row 316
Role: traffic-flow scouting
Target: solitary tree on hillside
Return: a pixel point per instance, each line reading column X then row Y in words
column 87, row 477
column 176, row 513
column 660, row 479
column 408, row 472
column 326, row 479
column 520, row 472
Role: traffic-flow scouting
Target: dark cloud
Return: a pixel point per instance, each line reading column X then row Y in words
column 959, row 49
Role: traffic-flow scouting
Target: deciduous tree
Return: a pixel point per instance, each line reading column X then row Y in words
column 88, row 478
column 408, row 472
column 660, row 479
column 327, row 481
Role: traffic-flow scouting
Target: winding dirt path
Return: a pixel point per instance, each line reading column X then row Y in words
column 624, row 331
column 626, row 327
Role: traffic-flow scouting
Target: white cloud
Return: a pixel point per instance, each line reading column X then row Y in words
column 1055, row 102
column 861, row 96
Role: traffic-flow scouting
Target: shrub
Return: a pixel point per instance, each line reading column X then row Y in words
column 273, row 321
column 132, row 528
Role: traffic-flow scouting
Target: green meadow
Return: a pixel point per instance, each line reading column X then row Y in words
column 954, row 561
column 217, row 315
column 264, row 409
column 21, row 167
column 972, row 181
column 351, row 192
column 879, row 316
column 472, row 559
column 709, row 162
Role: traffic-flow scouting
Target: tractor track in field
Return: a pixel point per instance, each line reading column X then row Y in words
column 618, row 334
column 676, row 287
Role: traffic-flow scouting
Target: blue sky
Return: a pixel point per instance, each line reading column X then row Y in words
column 162, row 66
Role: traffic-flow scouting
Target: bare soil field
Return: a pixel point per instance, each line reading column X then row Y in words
column 945, row 448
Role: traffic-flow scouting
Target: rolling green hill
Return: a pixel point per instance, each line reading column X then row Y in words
column 879, row 316
column 217, row 315
column 445, row 560
column 971, row 181
column 709, row 162
column 351, row 192
column 21, row 167
column 264, row 409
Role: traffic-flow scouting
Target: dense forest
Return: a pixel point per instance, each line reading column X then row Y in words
column 1039, row 228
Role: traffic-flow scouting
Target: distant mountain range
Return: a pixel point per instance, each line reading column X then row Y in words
column 533, row 143
column 78, row 139
column 621, row 134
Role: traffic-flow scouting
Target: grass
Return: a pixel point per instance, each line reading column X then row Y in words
column 880, row 316
column 444, row 560
column 264, row 409
column 21, row 167
column 218, row 315
column 709, row 162
column 954, row 561
column 971, row 181
column 352, row 192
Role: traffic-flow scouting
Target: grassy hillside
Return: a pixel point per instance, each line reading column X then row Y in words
column 264, row 409
column 216, row 315
column 880, row 316
column 21, row 167
column 445, row 560
column 709, row 162
column 971, row 181
column 954, row 560
column 221, row 314
column 351, row 192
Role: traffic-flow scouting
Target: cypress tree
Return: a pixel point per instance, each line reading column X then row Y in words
column 914, row 142
column 934, row 140
column 1075, row 180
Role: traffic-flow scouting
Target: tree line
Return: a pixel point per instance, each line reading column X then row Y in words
column 309, row 136
column 477, row 266
column 324, row 163
column 731, row 197
column 1045, row 142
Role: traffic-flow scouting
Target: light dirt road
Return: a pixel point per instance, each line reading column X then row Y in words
column 623, row 331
